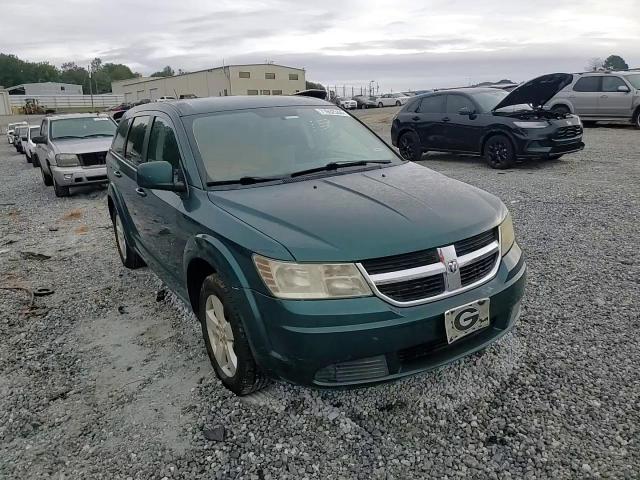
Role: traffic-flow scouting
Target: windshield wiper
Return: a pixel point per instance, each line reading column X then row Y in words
column 99, row 135
column 336, row 165
column 244, row 181
column 66, row 136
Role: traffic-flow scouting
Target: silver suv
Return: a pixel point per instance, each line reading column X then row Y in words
column 71, row 150
column 601, row 96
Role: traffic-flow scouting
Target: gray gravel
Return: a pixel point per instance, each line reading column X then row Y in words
column 107, row 379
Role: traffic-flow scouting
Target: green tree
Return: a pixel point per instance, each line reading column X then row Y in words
column 165, row 72
column 14, row 71
column 615, row 62
column 72, row 73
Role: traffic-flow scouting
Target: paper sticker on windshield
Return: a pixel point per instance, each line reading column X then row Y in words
column 332, row 111
column 100, row 119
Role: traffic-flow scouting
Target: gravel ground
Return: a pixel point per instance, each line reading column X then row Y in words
column 108, row 377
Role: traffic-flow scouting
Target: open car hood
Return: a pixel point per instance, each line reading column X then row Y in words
column 536, row 92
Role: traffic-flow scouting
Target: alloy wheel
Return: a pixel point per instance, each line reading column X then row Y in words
column 122, row 241
column 407, row 148
column 220, row 336
column 499, row 152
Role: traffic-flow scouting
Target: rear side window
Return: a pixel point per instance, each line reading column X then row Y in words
column 163, row 145
column 611, row 84
column 135, row 140
column 457, row 102
column 433, row 104
column 587, row 84
column 121, row 135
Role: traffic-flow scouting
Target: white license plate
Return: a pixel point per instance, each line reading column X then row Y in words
column 466, row 319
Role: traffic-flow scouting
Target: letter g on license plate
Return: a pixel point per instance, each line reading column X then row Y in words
column 466, row 319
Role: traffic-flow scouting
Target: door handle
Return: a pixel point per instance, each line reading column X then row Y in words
column 415, row 119
column 117, row 173
column 140, row 191
column 446, row 119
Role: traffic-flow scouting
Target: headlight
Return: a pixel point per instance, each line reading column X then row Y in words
column 507, row 235
column 311, row 280
column 67, row 160
column 531, row 124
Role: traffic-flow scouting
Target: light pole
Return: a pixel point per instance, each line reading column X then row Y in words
column 91, row 88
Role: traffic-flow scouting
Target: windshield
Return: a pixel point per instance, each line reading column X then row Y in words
column 634, row 80
column 488, row 100
column 278, row 141
column 82, row 127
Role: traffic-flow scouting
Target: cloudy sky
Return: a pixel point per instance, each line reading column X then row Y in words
column 400, row 44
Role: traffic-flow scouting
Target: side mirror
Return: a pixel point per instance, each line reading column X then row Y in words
column 623, row 88
column 39, row 140
column 158, row 176
column 466, row 111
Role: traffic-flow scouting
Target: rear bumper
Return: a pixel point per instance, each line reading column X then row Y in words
column 359, row 341
column 70, row 176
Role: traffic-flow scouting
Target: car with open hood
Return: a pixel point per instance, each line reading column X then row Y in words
column 308, row 249
column 501, row 126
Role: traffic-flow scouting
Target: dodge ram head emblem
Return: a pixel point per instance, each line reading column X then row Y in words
column 452, row 266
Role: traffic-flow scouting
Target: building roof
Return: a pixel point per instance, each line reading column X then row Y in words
column 75, row 115
column 137, row 80
column 43, row 83
column 197, row 106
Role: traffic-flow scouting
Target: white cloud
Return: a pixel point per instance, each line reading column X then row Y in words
column 401, row 44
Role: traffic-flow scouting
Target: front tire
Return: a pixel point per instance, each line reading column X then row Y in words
column 409, row 146
column 636, row 119
column 35, row 163
column 499, row 152
column 225, row 339
column 380, row 105
column 398, row 104
column 128, row 255
column 29, row 160
column 46, row 178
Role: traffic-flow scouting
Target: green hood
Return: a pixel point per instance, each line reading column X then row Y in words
column 365, row 215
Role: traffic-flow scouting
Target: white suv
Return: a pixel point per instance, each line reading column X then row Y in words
column 601, row 96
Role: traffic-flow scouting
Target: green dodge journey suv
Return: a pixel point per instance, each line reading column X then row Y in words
column 309, row 250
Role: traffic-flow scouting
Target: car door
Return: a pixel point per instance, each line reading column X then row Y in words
column 586, row 95
column 461, row 132
column 427, row 122
column 166, row 224
column 124, row 170
column 613, row 103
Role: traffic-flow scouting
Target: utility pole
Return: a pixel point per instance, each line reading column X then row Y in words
column 91, row 87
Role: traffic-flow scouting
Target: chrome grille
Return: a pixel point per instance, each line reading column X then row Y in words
column 409, row 279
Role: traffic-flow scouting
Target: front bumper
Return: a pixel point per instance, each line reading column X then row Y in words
column 333, row 343
column 70, row 176
column 545, row 143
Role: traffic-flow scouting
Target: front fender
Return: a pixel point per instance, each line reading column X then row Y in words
column 218, row 255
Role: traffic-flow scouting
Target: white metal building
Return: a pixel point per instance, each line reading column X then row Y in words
column 45, row 88
column 253, row 79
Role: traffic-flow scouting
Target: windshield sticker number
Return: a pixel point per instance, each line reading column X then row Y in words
column 332, row 111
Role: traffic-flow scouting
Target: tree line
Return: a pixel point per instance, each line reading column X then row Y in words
column 15, row 71
column 612, row 62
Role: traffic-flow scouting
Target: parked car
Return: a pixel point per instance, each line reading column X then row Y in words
column 601, row 97
column 18, row 133
column 187, row 96
column 501, row 126
column 364, row 101
column 11, row 129
column 281, row 245
column 165, row 99
column 71, row 150
column 29, row 145
column 391, row 99
column 347, row 103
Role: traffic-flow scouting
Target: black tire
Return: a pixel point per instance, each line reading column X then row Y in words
column 26, row 155
column 60, row 190
column 35, row 163
column 46, row 178
column 499, row 152
column 561, row 109
column 398, row 103
column 409, row 146
column 128, row 255
column 636, row 119
column 247, row 376
column 380, row 105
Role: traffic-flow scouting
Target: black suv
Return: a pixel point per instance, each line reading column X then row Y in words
column 501, row 126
